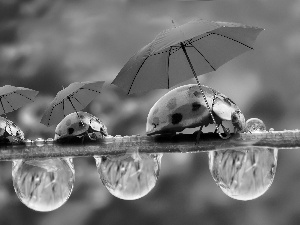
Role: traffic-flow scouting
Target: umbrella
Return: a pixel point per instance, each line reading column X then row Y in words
column 72, row 98
column 12, row 98
column 183, row 52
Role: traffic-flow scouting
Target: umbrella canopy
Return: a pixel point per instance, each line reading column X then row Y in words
column 71, row 99
column 184, row 52
column 12, row 98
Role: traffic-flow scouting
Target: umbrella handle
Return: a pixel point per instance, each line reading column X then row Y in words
column 204, row 97
column 224, row 137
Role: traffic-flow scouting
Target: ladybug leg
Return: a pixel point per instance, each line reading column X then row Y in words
column 199, row 132
column 227, row 132
column 82, row 139
column 93, row 136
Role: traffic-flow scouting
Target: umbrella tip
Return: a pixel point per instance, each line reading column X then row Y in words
column 173, row 22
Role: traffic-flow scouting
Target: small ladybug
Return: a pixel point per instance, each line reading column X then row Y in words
column 80, row 125
column 10, row 132
column 184, row 107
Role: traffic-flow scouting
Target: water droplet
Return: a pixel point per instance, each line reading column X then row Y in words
column 49, row 140
column 28, row 142
column 43, row 185
column 129, row 177
column 244, row 174
column 255, row 125
column 271, row 129
column 39, row 142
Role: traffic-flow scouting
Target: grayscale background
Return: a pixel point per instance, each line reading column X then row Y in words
column 47, row 44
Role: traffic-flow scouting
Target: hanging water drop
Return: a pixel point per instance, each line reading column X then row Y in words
column 244, row 174
column 131, row 176
column 43, row 185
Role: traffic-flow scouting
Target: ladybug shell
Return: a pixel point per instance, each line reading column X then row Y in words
column 184, row 107
column 76, row 125
column 9, row 129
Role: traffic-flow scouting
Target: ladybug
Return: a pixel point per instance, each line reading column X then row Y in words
column 184, row 107
column 80, row 125
column 10, row 132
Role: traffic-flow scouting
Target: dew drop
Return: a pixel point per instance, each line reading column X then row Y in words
column 39, row 142
column 255, row 125
column 129, row 177
column 244, row 174
column 43, row 185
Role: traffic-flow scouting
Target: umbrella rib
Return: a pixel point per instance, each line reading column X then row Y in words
column 24, row 96
column 9, row 104
column 232, row 39
column 76, row 100
column 208, row 34
column 169, row 66
column 202, row 55
column 63, row 102
column 136, row 75
column 74, row 106
column 5, row 115
column 89, row 90
column 2, row 104
column 51, row 113
column 14, row 92
column 69, row 98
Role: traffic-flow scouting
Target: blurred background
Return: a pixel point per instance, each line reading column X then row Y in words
column 47, row 44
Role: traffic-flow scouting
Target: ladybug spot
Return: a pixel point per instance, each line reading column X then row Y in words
column 155, row 111
column 155, row 121
column 171, row 104
column 197, row 93
column 196, row 106
column 70, row 130
column 176, row 118
column 68, row 122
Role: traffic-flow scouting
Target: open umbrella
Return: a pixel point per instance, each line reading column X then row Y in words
column 183, row 52
column 13, row 98
column 71, row 99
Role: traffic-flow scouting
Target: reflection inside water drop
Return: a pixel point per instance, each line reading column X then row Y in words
column 129, row 177
column 244, row 174
column 43, row 185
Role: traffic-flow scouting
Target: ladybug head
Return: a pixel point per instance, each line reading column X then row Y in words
column 238, row 121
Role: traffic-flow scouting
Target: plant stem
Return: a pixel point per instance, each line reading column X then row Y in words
column 180, row 143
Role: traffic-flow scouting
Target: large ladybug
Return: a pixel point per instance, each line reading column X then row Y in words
column 184, row 107
column 10, row 132
column 80, row 125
